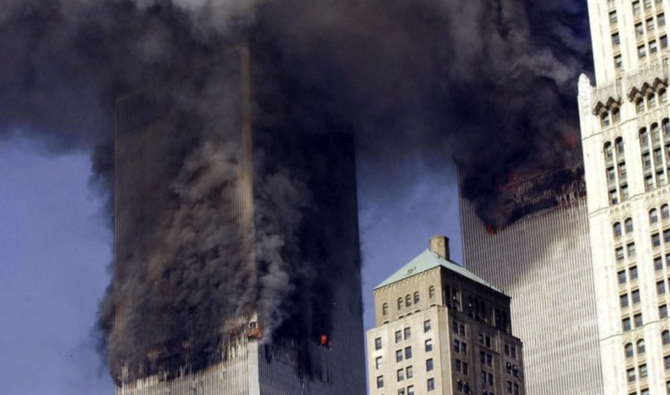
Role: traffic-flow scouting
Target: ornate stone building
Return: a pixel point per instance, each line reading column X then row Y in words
column 625, row 126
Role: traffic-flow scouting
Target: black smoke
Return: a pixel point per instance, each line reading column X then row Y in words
column 491, row 83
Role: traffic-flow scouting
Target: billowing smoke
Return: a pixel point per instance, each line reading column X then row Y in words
column 491, row 83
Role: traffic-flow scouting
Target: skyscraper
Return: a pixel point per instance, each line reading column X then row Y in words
column 441, row 329
column 536, row 249
column 625, row 125
column 212, row 294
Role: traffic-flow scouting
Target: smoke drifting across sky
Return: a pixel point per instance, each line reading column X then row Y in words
column 490, row 82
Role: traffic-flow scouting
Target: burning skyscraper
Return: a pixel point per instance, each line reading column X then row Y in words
column 535, row 246
column 227, row 280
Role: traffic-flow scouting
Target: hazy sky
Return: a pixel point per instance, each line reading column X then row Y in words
column 55, row 248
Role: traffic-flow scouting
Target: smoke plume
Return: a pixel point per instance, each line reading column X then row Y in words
column 491, row 83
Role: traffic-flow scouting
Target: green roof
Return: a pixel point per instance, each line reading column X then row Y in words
column 428, row 260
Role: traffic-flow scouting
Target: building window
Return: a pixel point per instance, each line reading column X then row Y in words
column 666, row 361
column 629, row 225
column 431, row 384
column 410, row 372
column 378, row 343
column 408, row 333
column 429, row 364
column 655, row 240
column 625, row 324
column 665, row 211
column 641, row 53
column 637, row 318
column 623, row 300
column 408, row 352
column 398, row 336
column 380, row 381
column 398, row 355
column 665, row 337
column 616, row 40
column 651, row 99
column 650, row 24
column 618, row 143
column 605, row 119
column 385, row 309
column 624, row 193
column 664, row 99
column 616, row 115
column 616, row 229
column 618, row 61
column 426, row 326
column 631, row 375
column 636, row 296
column 663, row 311
column 632, row 272
column 664, row 41
column 658, row 263
column 660, row 287
column 640, row 346
column 509, row 387
column 621, row 275
column 378, row 362
column 408, row 301
column 618, row 252
column 643, row 371
column 639, row 105
column 630, row 250
column 429, row 345
column 400, row 304
column 653, row 48
column 636, row 7
column 666, row 236
column 400, row 374
column 647, row 3
column 613, row 17
column 628, row 349
column 410, row 390
column 653, row 216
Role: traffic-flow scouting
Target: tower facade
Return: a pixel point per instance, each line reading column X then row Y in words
column 626, row 141
column 197, row 324
column 440, row 329
column 543, row 261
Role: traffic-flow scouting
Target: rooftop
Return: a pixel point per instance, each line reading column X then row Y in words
column 428, row 260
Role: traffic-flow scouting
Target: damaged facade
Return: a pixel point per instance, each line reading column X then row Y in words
column 207, row 297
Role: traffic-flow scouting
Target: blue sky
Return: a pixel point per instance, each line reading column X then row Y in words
column 55, row 248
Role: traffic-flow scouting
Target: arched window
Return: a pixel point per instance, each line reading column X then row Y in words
column 616, row 115
column 628, row 348
column 609, row 152
column 653, row 216
column 665, row 212
column 639, row 105
column 651, row 100
column 431, row 292
column 629, row 225
column 605, row 119
column 665, row 337
column 408, row 300
column 616, row 229
column 618, row 143
column 385, row 308
column 663, row 95
column 644, row 138
column 399, row 303
column 640, row 346
column 416, row 297
column 655, row 134
column 666, row 127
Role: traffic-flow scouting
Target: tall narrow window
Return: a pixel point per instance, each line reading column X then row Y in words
column 385, row 309
column 629, row 225
column 616, row 229
column 639, row 104
column 431, row 292
column 628, row 349
column 416, row 298
column 653, row 216
column 605, row 119
column 618, row 143
column 609, row 151
column 665, row 337
column 399, row 303
column 640, row 346
column 665, row 211
column 408, row 300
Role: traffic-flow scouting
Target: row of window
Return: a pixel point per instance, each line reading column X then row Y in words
column 614, row 153
column 617, row 228
column 651, row 47
column 636, row 322
column 651, row 101
column 645, row 391
column 408, row 299
column 637, row 10
column 653, row 214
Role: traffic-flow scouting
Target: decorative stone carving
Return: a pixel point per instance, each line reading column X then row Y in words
column 646, row 79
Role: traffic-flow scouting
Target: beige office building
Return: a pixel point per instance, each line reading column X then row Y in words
column 442, row 330
column 626, row 139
